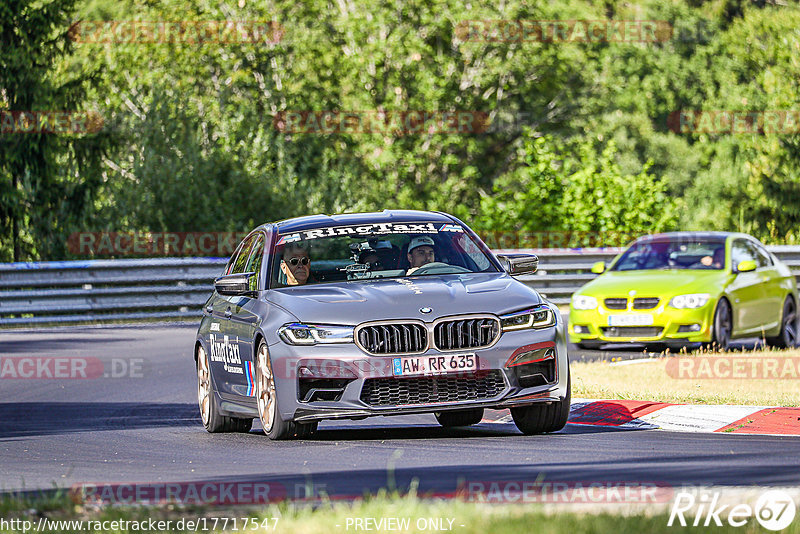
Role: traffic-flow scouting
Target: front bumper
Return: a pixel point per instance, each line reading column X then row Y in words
column 296, row 404
column 668, row 325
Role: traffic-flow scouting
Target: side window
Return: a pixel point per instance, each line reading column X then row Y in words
column 741, row 251
column 241, row 260
column 473, row 252
column 254, row 263
column 232, row 260
column 764, row 259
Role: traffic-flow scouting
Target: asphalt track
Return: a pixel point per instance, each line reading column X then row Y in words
column 145, row 428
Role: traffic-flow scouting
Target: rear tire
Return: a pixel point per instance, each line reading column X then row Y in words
column 453, row 418
column 543, row 418
column 787, row 338
column 266, row 396
column 210, row 414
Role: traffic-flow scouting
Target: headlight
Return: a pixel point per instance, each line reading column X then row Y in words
column 540, row 316
column 311, row 334
column 583, row 302
column 694, row 300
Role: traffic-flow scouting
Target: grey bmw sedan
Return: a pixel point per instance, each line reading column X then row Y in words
column 389, row 313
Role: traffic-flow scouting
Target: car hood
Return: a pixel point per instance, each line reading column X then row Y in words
column 402, row 298
column 656, row 283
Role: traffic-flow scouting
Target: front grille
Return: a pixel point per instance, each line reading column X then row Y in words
column 403, row 391
column 631, row 331
column 395, row 338
column 616, row 303
column 645, row 303
column 466, row 333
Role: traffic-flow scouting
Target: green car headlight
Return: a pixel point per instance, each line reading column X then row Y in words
column 693, row 300
column 311, row 334
column 537, row 317
column 584, row 302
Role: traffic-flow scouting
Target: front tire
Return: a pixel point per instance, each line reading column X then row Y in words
column 723, row 326
column 266, row 395
column 453, row 418
column 543, row 418
column 787, row 338
column 210, row 414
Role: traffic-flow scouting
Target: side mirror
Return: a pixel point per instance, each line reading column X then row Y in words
column 599, row 267
column 746, row 266
column 516, row 264
column 235, row 285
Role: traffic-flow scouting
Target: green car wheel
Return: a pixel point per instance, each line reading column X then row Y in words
column 788, row 335
column 723, row 325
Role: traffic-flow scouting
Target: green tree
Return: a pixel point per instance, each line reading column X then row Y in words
column 47, row 180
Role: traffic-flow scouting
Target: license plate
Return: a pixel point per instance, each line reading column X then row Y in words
column 434, row 365
column 641, row 319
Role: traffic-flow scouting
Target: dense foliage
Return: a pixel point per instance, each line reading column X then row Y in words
column 576, row 138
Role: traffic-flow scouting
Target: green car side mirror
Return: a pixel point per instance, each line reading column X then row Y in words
column 598, row 267
column 746, row 266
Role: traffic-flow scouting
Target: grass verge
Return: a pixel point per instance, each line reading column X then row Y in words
column 384, row 513
column 758, row 378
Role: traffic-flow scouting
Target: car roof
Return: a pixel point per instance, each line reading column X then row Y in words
column 395, row 216
column 711, row 236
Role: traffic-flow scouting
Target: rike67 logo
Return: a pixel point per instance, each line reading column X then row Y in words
column 774, row 510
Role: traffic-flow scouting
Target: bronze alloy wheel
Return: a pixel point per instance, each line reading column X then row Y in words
column 203, row 385
column 265, row 383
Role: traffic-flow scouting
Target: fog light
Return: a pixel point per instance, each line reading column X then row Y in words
column 580, row 329
column 689, row 328
column 534, row 365
column 326, row 369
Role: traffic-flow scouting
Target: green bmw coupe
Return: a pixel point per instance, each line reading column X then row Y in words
column 679, row 288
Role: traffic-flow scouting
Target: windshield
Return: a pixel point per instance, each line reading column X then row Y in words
column 680, row 253
column 373, row 251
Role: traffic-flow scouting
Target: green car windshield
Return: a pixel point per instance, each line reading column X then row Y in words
column 706, row 254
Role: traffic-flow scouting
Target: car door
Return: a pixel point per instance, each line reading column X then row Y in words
column 771, row 279
column 746, row 290
column 245, row 316
column 225, row 355
column 217, row 305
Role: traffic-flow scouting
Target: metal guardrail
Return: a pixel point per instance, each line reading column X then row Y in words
column 94, row 291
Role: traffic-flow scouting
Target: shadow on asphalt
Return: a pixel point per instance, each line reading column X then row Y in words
column 31, row 419
column 483, row 430
column 28, row 419
column 64, row 343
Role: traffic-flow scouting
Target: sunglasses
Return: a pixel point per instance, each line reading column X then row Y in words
column 294, row 262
